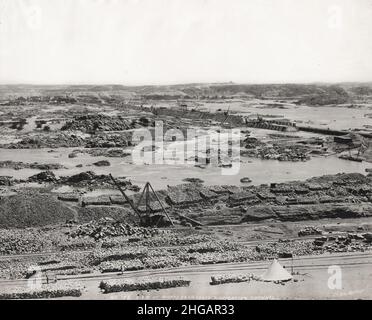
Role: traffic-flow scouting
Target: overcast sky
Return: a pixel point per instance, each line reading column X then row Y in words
column 180, row 41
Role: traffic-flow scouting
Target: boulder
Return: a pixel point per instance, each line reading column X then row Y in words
column 44, row 176
column 102, row 163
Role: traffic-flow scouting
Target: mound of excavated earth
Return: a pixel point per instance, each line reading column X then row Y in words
column 87, row 214
column 32, row 209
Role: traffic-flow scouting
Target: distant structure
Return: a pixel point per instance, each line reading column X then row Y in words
column 276, row 272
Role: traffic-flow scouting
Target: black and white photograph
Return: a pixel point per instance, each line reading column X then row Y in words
column 186, row 150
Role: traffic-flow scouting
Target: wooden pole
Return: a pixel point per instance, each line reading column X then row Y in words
column 140, row 199
column 157, row 198
column 147, row 197
column 126, row 198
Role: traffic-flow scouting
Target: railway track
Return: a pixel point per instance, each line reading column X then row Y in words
column 349, row 260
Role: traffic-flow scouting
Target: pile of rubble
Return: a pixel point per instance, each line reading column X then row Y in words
column 251, row 143
column 89, row 178
column 121, row 266
column 98, row 212
column 108, row 152
column 97, row 122
column 6, row 180
column 186, row 194
column 117, row 140
column 341, row 179
column 21, row 241
column 44, row 176
column 279, row 152
column 46, row 293
column 31, row 208
column 220, row 257
column 50, row 140
column 126, row 254
column 102, row 163
column 227, row 278
column 193, row 180
column 213, row 246
column 127, row 285
column 68, row 140
column 18, row 165
column 83, row 179
column 73, row 244
column 285, row 248
column 350, row 242
column 309, row 231
column 162, row 262
column 106, row 228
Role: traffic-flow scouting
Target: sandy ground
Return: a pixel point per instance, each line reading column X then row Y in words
column 311, row 274
column 312, row 281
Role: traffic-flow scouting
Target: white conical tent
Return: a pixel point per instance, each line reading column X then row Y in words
column 276, row 272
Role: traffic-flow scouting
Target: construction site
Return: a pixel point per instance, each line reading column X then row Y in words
column 80, row 217
column 185, row 150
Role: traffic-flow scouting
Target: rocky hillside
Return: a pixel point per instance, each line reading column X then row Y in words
column 312, row 94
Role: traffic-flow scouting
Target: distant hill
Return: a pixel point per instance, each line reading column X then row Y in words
column 313, row 94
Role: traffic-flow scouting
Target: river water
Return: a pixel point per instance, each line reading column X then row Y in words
column 334, row 117
column 161, row 175
column 259, row 171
